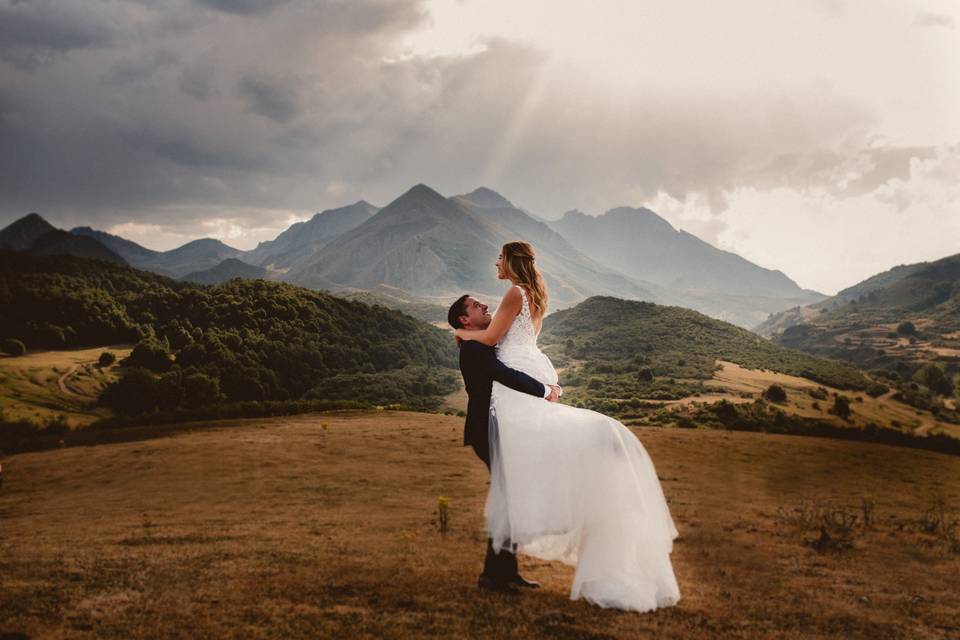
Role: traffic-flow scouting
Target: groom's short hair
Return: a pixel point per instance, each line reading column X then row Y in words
column 457, row 309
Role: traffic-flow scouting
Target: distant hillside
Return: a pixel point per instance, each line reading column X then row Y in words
column 400, row 301
column 858, row 293
column 641, row 244
column 226, row 270
column 244, row 340
column 132, row 252
column 915, row 287
column 196, row 255
column 624, row 336
column 869, row 329
column 35, row 235
column 302, row 240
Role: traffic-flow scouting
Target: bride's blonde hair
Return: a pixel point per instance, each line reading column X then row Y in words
column 519, row 263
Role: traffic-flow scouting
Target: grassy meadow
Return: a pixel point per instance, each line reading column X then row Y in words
column 325, row 526
column 40, row 386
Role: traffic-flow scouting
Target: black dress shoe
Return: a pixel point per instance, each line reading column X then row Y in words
column 488, row 583
column 520, row 581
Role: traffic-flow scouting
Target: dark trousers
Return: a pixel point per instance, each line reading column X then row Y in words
column 496, row 566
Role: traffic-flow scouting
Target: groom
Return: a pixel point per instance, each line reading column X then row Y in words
column 480, row 367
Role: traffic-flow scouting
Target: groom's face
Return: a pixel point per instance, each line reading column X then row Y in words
column 477, row 316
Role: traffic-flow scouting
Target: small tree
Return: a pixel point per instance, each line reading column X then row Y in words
column 775, row 393
column 906, row 329
column 841, row 406
column 932, row 376
column 106, row 359
column 151, row 354
column 200, row 390
column 13, row 346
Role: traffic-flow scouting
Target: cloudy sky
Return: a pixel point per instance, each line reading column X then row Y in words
column 819, row 137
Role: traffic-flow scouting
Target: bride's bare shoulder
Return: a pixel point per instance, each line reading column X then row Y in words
column 513, row 293
column 511, row 297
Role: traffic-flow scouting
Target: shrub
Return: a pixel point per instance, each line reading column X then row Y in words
column 200, row 390
column 150, row 354
column 775, row 393
column 134, row 393
column 932, row 376
column 841, row 407
column 106, row 359
column 13, row 346
column 875, row 389
column 819, row 393
column 725, row 411
column 906, row 329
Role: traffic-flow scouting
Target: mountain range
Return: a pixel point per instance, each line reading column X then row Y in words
column 928, row 290
column 35, row 235
column 893, row 323
column 434, row 248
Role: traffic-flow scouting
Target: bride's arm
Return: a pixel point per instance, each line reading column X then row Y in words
column 502, row 319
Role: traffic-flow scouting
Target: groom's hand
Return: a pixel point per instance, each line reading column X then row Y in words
column 554, row 393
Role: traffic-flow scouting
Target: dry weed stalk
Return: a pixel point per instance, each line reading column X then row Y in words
column 443, row 514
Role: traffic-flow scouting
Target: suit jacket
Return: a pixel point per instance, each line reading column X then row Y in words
column 480, row 367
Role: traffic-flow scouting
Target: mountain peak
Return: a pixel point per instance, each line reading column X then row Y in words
column 207, row 242
column 573, row 214
column 21, row 234
column 420, row 191
column 487, row 198
column 641, row 213
column 31, row 219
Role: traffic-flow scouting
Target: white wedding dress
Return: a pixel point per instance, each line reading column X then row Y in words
column 577, row 486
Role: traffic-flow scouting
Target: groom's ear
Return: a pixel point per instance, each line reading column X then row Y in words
column 457, row 312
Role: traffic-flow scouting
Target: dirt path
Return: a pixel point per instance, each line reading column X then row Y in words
column 286, row 528
column 62, row 380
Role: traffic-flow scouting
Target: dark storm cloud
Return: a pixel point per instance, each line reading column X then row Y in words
column 186, row 108
column 32, row 32
column 269, row 98
column 197, row 79
column 139, row 70
column 243, row 6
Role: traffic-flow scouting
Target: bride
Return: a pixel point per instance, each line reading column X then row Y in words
column 569, row 484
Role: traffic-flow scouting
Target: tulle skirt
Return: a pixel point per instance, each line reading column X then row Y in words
column 577, row 486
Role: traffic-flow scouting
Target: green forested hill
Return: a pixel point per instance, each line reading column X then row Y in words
column 237, row 341
column 614, row 336
column 896, row 328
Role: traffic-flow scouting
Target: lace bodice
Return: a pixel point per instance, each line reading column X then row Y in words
column 521, row 335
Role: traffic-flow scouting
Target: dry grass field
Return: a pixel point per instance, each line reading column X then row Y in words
column 285, row 528
column 41, row 385
column 882, row 410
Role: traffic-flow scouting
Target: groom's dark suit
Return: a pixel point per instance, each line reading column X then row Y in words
column 480, row 367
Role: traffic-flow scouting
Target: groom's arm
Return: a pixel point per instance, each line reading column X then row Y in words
column 486, row 360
